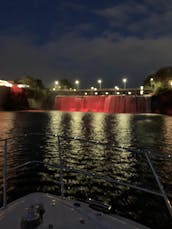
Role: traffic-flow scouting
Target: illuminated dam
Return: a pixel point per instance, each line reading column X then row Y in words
column 104, row 103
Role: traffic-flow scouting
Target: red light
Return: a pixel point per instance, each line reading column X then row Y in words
column 110, row 104
column 16, row 90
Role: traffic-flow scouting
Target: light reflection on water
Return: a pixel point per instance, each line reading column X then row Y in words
column 151, row 132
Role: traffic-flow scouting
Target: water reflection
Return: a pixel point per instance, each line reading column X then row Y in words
column 167, row 130
column 147, row 131
column 7, row 123
column 54, row 124
column 123, row 130
column 87, row 126
column 98, row 121
column 152, row 132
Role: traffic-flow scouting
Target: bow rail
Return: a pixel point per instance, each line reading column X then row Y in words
column 61, row 167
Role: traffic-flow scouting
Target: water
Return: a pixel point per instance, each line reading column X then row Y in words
column 109, row 104
column 138, row 132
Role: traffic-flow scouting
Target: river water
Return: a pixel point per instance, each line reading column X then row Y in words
column 33, row 137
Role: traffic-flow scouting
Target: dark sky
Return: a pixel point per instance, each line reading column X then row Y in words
column 85, row 40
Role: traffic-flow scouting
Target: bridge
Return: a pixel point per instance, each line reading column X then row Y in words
column 103, row 91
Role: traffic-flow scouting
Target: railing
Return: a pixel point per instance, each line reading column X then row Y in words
column 61, row 167
column 102, row 91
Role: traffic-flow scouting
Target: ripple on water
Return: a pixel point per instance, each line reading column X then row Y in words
column 38, row 141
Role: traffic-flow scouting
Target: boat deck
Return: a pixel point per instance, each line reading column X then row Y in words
column 58, row 213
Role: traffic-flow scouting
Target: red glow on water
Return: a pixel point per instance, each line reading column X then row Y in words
column 110, row 104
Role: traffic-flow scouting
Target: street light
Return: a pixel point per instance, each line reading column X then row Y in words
column 77, row 83
column 170, row 83
column 151, row 82
column 116, row 89
column 124, row 80
column 141, row 90
column 100, row 83
column 56, row 85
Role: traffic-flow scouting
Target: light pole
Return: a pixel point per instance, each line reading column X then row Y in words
column 151, row 83
column 116, row 89
column 170, row 83
column 124, row 80
column 77, row 84
column 56, row 83
column 141, row 90
column 100, row 84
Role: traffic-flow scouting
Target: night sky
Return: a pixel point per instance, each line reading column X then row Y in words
column 85, row 40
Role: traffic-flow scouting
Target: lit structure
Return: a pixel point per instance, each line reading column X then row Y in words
column 141, row 90
column 170, row 82
column 77, row 83
column 100, row 83
column 23, row 85
column 124, row 80
column 5, row 83
column 56, row 85
column 104, row 103
column 151, row 82
column 116, row 89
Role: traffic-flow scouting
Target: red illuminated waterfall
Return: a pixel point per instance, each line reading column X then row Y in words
column 110, row 104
